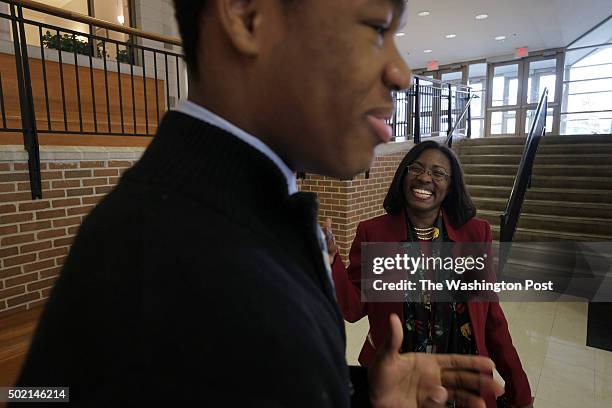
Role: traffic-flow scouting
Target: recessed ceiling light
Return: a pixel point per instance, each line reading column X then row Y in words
column 482, row 16
column 427, row 51
column 400, row 34
column 500, row 38
column 450, row 35
column 423, row 13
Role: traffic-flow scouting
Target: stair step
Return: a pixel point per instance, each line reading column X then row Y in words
column 554, row 223
column 562, row 255
column 491, row 141
column 556, row 194
column 543, row 149
column 560, row 159
column 547, row 139
column 575, row 283
column 491, row 159
column 542, row 169
column 553, row 252
column 570, row 197
column 581, row 182
column 537, row 235
column 476, row 190
column 548, row 207
column 537, row 269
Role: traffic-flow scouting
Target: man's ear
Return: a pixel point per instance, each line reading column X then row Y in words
column 240, row 20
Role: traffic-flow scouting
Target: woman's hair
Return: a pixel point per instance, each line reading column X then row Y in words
column 457, row 205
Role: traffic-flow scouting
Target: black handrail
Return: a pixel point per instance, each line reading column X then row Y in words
column 510, row 217
column 26, row 100
column 449, row 138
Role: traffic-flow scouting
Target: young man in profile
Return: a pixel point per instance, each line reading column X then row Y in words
column 201, row 278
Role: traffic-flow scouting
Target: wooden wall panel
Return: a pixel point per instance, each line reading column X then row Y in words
column 98, row 93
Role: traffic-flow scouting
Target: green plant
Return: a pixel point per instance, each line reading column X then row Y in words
column 124, row 56
column 72, row 44
column 67, row 42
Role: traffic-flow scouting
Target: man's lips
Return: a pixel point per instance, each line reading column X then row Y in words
column 378, row 123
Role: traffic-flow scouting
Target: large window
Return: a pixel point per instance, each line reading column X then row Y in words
column 587, row 91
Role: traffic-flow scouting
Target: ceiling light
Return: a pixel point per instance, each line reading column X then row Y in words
column 450, row 36
column 400, row 34
column 423, row 14
column 482, row 16
column 427, row 51
column 500, row 38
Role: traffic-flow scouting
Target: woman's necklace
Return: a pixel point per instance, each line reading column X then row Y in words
column 425, row 234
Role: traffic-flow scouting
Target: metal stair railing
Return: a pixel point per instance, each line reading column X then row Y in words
column 510, row 217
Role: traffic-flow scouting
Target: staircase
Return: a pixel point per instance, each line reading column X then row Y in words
column 570, row 200
column 571, row 192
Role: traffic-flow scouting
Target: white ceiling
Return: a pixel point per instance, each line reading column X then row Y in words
column 537, row 24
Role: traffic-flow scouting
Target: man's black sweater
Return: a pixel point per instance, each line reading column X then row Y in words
column 199, row 279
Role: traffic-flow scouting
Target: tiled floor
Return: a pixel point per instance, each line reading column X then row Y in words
column 550, row 339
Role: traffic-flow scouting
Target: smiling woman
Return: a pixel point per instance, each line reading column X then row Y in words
column 428, row 203
column 435, row 169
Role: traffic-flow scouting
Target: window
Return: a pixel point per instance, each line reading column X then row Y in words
column 477, row 79
column 587, row 91
column 505, row 85
column 113, row 11
column 452, row 77
column 542, row 74
column 503, row 123
column 549, row 120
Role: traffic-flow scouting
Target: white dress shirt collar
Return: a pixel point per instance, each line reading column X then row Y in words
column 199, row 112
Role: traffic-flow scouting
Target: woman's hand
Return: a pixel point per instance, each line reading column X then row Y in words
column 332, row 247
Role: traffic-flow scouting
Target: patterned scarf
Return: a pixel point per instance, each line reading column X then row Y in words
column 435, row 327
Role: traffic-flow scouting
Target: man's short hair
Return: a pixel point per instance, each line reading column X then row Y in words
column 188, row 13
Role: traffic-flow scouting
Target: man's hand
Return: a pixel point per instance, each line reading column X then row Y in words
column 414, row 380
column 332, row 247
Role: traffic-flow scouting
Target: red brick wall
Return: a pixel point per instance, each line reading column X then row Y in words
column 35, row 236
column 349, row 202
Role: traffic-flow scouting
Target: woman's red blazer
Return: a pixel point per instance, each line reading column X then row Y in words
column 488, row 321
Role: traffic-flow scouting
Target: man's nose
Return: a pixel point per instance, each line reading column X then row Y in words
column 397, row 75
